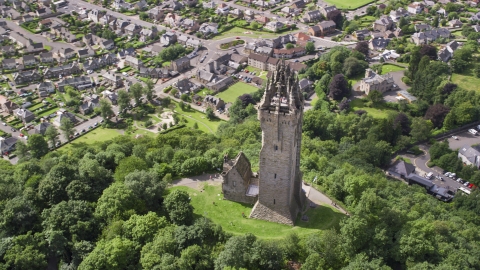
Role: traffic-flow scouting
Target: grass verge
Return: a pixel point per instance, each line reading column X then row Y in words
column 379, row 111
column 236, row 90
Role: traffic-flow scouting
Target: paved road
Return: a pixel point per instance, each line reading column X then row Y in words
column 464, row 139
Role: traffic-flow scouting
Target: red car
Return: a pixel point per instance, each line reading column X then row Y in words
column 237, row 38
column 21, row 135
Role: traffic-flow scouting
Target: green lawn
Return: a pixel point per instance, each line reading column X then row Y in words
column 237, row 31
column 350, row 4
column 236, row 90
column 48, row 48
column 99, row 134
column 229, row 215
column 48, row 112
column 193, row 116
column 379, row 111
column 466, row 80
column 386, row 68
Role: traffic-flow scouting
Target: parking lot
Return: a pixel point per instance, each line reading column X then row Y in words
column 464, row 138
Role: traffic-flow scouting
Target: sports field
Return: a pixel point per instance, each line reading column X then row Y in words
column 236, row 90
column 349, row 4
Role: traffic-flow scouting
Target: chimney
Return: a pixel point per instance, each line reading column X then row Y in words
column 368, row 73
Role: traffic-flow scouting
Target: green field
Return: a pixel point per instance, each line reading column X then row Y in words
column 349, row 4
column 229, row 215
column 386, row 68
column 237, row 31
column 99, row 134
column 236, row 90
column 466, row 80
column 193, row 116
column 379, row 111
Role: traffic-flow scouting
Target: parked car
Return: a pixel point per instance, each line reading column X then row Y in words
column 466, row 184
column 473, row 131
column 3, row 123
column 14, row 130
column 21, row 135
column 83, row 130
column 455, row 137
column 447, row 174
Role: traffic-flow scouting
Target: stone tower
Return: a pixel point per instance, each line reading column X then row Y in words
column 280, row 112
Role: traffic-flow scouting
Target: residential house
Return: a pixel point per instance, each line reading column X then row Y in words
column 262, row 19
column 87, row 52
column 401, row 169
column 301, row 39
column 7, row 105
column 23, row 77
column 299, row 4
column 95, row 15
column 107, row 44
column 157, row 73
column 29, row 60
column 79, row 83
column 263, row 4
column 185, row 86
column 66, row 70
column 173, row 20
column 46, row 57
column 171, row 6
column 156, row 14
column 119, row 26
column 213, row 102
column 476, row 28
column 360, row 34
column 326, row 10
column 45, row 23
column 133, row 62
column 378, row 44
column 48, row 87
column 57, row 121
column 446, row 53
column 148, row 34
column 89, row 104
column 305, row 85
column 107, row 19
column 249, row 14
column 168, row 38
column 395, row 15
column 442, row 12
column 12, row 14
column 113, row 78
column 383, row 24
column 422, row 27
column 121, row 4
column 190, row 25
column 43, row 12
column 374, row 81
column 26, row 18
column 125, row 52
column 209, row 5
column 181, row 64
column 289, row 53
column 430, row 35
column 140, row 5
column 470, row 155
column 24, row 115
column 7, row 145
column 274, row 26
column 8, row 50
column 190, row 3
column 220, row 84
column 19, row 39
column 66, row 53
column 222, row 9
column 455, row 23
column 208, row 29
column 322, row 29
column 415, row 8
column 133, row 29
column 34, row 47
column 9, row 63
column 195, row 43
column 475, row 17
column 313, row 16
column 238, row 13
column 258, row 61
column 40, row 128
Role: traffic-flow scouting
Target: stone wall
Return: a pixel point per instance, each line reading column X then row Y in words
column 263, row 212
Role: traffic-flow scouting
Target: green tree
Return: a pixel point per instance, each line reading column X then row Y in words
column 105, row 109
column 148, row 89
column 27, row 252
column 118, row 202
column 209, row 113
column 229, row 255
column 52, row 133
column 67, row 126
column 146, row 186
column 128, row 165
column 375, row 97
column 21, row 149
column 177, row 204
column 18, row 216
column 37, row 145
column 137, row 90
column 123, row 100
column 421, row 129
column 115, row 254
column 309, row 47
column 289, row 46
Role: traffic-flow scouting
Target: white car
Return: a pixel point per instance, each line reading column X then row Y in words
column 124, row 74
column 89, row 71
column 455, row 137
column 473, row 131
column 3, row 123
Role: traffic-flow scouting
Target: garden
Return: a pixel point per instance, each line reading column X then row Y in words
column 225, row 46
column 236, row 90
column 351, row 4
